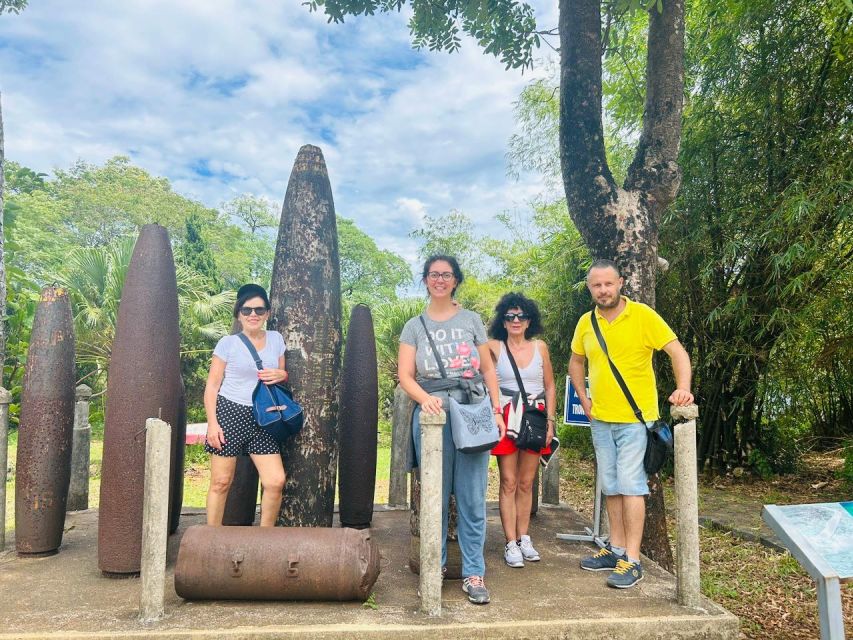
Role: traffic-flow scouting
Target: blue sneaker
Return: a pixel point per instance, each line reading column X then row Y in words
column 604, row 560
column 625, row 575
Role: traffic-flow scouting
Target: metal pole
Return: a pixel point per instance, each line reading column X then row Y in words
column 432, row 426
column 400, row 429
column 78, row 488
column 687, row 506
column 155, row 519
column 5, row 400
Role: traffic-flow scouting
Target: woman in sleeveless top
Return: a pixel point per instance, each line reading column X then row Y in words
column 516, row 321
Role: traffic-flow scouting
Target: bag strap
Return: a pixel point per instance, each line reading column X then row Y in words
column 254, row 352
column 434, row 349
column 619, row 379
column 517, row 374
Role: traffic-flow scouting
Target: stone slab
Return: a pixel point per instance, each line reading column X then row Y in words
column 65, row 596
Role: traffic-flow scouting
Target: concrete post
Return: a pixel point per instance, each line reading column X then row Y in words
column 78, row 488
column 5, row 400
column 686, row 506
column 551, row 481
column 432, row 426
column 155, row 519
column 400, row 429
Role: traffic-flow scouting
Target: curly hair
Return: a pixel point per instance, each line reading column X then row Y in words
column 512, row 300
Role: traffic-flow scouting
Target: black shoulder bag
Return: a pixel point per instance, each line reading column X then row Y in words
column 533, row 432
column 659, row 442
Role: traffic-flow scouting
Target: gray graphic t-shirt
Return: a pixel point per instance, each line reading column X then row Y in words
column 456, row 340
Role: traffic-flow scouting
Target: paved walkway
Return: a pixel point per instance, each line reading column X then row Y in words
column 65, row 596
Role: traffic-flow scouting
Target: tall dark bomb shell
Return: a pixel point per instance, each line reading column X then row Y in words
column 359, row 415
column 46, row 427
column 144, row 382
column 306, row 309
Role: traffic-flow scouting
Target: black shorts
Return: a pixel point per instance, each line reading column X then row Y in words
column 243, row 436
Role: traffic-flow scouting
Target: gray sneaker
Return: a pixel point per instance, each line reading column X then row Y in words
column 513, row 555
column 625, row 575
column 476, row 589
column 527, row 551
column 604, row 560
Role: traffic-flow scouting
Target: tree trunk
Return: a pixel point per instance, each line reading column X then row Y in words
column 306, row 308
column 621, row 223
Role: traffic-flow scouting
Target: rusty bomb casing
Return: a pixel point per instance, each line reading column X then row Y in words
column 144, row 382
column 357, row 424
column 176, row 469
column 305, row 294
column 46, row 427
column 242, row 500
column 276, row 563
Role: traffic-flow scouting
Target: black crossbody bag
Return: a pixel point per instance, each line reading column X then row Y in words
column 533, row 432
column 659, row 442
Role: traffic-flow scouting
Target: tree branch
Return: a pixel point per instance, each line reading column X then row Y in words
column 654, row 170
column 588, row 181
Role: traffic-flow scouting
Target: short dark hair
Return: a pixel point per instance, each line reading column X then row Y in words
column 604, row 263
column 247, row 292
column 512, row 300
column 454, row 265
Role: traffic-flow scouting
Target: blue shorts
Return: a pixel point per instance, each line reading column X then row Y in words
column 619, row 451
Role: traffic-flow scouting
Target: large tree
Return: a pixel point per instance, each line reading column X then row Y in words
column 616, row 221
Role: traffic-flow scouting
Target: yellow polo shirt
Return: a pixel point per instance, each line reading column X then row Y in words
column 632, row 338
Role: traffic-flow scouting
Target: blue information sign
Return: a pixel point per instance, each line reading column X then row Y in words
column 573, row 412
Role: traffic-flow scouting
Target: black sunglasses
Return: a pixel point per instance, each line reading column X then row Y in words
column 509, row 317
column 259, row 311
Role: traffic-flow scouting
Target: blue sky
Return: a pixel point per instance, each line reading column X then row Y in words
column 218, row 96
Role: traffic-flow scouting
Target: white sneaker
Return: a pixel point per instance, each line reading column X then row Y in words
column 525, row 546
column 512, row 554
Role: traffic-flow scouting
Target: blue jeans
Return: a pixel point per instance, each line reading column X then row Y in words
column 619, row 450
column 466, row 475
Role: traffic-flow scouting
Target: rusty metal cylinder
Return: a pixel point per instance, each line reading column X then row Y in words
column 276, row 563
column 176, row 467
column 144, row 382
column 46, row 427
column 357, row 424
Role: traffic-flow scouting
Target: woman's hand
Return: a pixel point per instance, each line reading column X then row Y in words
column 272, row 376
column 550, row 433
column 215, row 436
column 432, row 405
column 499, row 418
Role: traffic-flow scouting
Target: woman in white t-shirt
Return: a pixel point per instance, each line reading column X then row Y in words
column 231, row 426
column 516, row 321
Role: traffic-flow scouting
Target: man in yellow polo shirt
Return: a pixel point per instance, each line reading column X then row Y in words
column 632, row 332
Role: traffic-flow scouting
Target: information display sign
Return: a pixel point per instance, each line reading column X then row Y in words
column 573, row 411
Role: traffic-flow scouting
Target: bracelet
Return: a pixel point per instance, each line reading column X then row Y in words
column 550, row 419
column 497, row 411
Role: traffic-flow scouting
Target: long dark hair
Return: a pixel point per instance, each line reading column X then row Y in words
column 454, row 266
column 512, row 300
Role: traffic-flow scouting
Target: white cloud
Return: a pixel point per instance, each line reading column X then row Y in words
column 218, row 96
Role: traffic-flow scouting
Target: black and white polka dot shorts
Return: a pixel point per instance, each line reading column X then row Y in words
column 242, row 434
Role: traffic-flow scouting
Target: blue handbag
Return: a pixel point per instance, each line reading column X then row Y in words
column 275, row 410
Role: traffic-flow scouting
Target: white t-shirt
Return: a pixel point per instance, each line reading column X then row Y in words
column 241, row 373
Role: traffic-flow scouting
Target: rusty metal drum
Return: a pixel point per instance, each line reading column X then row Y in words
column 144, row 382
column 46, row 428
column 276, row 563
column 176, row 468
column 359, row 415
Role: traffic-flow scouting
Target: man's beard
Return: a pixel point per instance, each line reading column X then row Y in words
column 614, row 303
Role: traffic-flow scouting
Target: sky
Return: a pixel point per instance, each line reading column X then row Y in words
column 219, row 95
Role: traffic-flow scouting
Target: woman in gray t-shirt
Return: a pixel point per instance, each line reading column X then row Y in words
column 231, row 426
column 460, row 339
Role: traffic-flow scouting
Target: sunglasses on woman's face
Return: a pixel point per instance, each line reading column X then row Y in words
column 247, row 311
column 521, row 317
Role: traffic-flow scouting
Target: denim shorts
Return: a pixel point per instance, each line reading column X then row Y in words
column 619, row 451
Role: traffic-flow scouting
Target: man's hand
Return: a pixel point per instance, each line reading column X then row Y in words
column 586, row 403
column 681, row 397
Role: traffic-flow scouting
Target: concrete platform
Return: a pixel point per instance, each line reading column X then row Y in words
column 65, row 596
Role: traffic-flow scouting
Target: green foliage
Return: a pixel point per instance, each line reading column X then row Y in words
column 503, row 28
column 194, row 253
column 368, row 274
column 12, row 6
column 847, row 470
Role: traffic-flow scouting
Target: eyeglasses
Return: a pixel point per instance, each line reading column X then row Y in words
column 444, row 275
column 259, row 311
column 521, row 317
